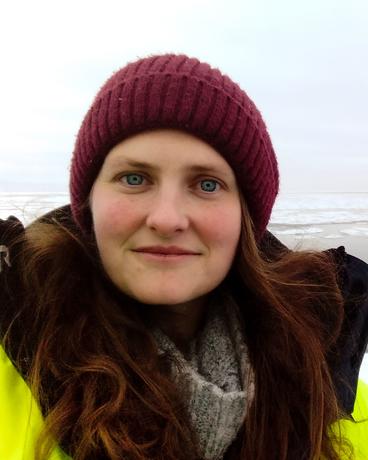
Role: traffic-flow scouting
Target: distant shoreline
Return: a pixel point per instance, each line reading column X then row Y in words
column 331, row 237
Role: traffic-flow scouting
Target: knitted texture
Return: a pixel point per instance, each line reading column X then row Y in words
column 175, row 91
column 216, row 378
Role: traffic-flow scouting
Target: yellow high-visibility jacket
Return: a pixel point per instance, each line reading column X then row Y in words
column 356, row 429
column 21, row 420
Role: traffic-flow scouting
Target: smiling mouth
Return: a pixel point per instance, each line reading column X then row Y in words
column 162, row 255
column 169, row 251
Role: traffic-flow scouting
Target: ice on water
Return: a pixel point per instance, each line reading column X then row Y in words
column 29, row 206
column 303, row 214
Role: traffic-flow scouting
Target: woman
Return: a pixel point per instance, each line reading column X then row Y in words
column 155, row 317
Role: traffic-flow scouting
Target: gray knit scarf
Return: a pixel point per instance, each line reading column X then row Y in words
column 217, row 376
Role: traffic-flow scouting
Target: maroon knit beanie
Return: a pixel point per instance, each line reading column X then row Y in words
column 174, row 91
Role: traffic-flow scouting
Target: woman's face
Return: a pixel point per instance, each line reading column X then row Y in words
column 166, row 188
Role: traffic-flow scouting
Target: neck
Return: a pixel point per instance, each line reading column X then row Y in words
column 180, row 322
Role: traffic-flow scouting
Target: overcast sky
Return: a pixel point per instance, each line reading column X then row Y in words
column 304, row 63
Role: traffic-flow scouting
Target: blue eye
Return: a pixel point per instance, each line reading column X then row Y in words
column 209, row 185
column 133, row 178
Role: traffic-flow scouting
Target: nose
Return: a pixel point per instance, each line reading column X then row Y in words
column 167, row 214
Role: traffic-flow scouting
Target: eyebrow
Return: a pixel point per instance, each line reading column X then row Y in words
column 201, row 168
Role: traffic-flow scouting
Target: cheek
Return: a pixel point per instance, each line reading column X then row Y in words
column 222, row 227
column 112, row 216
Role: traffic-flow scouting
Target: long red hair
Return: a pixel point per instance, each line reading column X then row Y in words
column 94, row 366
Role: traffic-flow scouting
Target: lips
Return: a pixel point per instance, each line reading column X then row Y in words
column 168, row 250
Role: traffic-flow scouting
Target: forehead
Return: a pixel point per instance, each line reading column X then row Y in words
column 163, row 148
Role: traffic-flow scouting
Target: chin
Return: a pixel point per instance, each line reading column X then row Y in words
column 162, row 298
